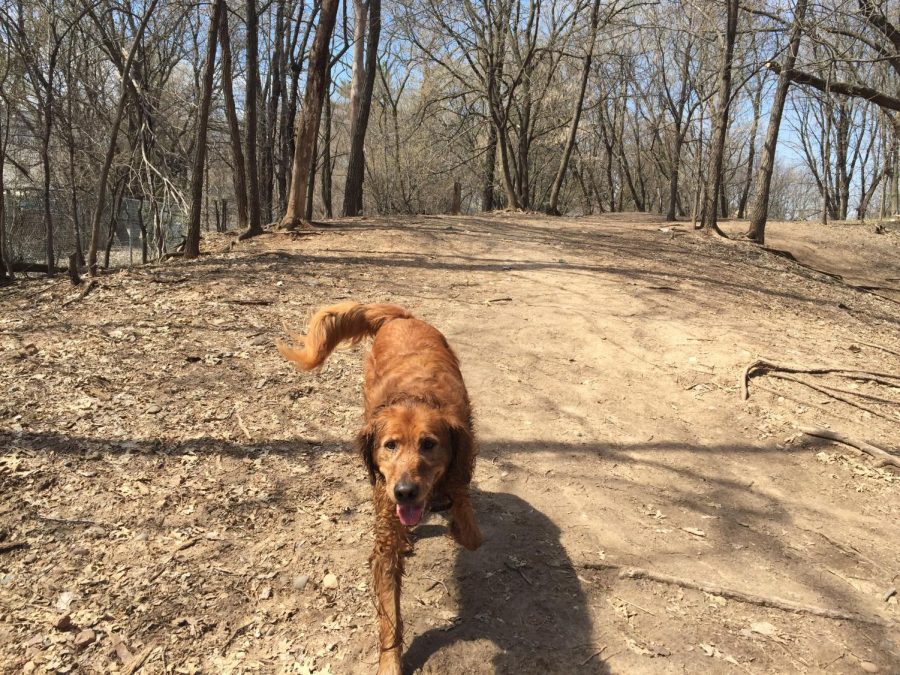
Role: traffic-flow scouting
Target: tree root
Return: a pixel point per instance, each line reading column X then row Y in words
column 749, row 598
column 884, row 458
column 833, row 394
column 766, row 365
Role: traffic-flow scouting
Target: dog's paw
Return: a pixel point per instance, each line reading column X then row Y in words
column 389, row 664
column 469, row 537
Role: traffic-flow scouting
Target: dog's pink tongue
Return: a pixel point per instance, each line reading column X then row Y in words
column 410, row 515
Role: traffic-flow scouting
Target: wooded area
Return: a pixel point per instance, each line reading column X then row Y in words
column 202, row 116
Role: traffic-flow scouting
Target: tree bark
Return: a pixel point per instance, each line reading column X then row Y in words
column 326, row 159
column 255, row 227
column 553, row 207
column 356, row 163
column 308, row 125
column 759, row 209
column 717, row 148
column 490, row 169
column 239, row 173
column 192, row 244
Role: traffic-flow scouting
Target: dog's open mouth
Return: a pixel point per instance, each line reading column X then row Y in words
column 410, row 515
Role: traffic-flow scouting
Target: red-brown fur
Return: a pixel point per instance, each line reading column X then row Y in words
column 418, row 429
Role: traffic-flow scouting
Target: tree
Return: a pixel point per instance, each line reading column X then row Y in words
column 192, row 243
column 361, row 101
column 720, row 130
column 760, row 206
column 308, row 125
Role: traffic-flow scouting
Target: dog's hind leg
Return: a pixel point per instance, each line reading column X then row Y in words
column 391, row 542
column 463, row 527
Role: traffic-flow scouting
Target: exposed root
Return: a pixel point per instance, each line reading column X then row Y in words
column 749, row 598
column 884, row 458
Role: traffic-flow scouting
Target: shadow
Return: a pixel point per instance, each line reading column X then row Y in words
column 520, row 592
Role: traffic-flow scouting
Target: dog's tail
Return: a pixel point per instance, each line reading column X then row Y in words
column 332, row 325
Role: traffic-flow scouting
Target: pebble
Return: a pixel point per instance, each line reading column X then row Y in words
column 85, row 638
column 153, row 409
column 63, row 623
column 869, row 667
column 330, row 581
column 299, row 582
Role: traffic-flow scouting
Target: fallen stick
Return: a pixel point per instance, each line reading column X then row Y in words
column 84, row 291
column 874, row 346
column 884, row 458
column 12, row 545
column 760, row 600
column 138, row 662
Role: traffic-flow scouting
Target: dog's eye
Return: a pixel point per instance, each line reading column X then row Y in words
column 391, row 445
column 427, row 444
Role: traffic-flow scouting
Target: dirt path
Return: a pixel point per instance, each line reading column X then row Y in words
column 183, row 492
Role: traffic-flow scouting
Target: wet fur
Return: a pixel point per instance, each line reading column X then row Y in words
column 413, row 386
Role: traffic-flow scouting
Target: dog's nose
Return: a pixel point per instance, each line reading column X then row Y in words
column 406, row 491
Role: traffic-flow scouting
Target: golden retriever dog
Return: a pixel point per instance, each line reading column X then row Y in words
column 417, row 442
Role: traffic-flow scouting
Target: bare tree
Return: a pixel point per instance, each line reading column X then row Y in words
column 192, row 243
column 308, row 126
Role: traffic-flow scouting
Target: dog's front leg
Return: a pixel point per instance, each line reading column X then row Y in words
column 391, row 541
column 463, row 527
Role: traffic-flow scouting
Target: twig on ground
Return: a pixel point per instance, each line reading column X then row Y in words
column 72, row 521
column 138, row 662
column 884, row 458
column 634, row 604
column 92, row 284
column 874, row 346
column 749, row 598
column 237, row 631
column 12, row 545
column 593, row 656
column 162, row 567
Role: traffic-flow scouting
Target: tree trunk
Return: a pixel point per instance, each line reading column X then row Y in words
column 114, row 220
column 717, row 147
column 47, row 128
column 553, row 207
column 356, row 163
column 326, row 160
column 143, row 227
column 192, row 244
column 672, row 202
column 308, row 125
column 759, row 209
column 250, row 101
column 239, row 173
column 6, row 271
column 751, row 153
column 490, row 170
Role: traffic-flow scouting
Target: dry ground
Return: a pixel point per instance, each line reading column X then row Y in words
column 182, row 493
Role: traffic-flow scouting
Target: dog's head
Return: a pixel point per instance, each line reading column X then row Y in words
column 413, row 448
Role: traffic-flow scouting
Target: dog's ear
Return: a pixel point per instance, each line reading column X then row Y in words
column 365, row 442
column 462, row 464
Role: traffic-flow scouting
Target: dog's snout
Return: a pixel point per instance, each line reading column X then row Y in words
column 406, row 491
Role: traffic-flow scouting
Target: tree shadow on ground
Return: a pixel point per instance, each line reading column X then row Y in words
column 519, row 591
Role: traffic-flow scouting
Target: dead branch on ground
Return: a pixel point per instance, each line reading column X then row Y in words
column 92, row 284
column 884, row 458
column 749, row 598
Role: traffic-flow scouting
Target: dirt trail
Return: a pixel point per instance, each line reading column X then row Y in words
column 214, row 488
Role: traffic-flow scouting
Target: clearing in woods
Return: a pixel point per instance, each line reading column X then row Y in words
column 181, row 493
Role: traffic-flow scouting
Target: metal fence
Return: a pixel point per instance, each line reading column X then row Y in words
column 26, row 233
